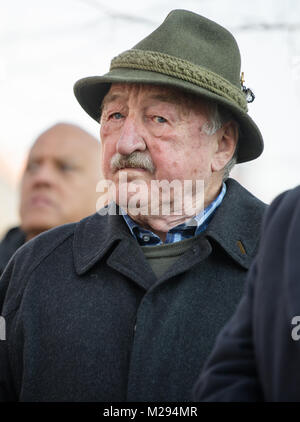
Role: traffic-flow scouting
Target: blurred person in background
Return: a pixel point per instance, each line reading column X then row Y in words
column 58, row 185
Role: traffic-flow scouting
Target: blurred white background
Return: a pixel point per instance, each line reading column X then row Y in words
column 46, row 46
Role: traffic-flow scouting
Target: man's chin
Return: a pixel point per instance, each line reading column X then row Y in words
column 39, row 225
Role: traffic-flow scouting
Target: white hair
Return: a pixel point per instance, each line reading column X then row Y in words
column 218, row 117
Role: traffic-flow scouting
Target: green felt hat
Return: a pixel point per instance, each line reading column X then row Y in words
column 189, row 52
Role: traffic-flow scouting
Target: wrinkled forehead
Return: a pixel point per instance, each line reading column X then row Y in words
column 186, row 101
column 126, row 89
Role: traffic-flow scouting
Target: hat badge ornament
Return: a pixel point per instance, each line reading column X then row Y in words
column 249, row 94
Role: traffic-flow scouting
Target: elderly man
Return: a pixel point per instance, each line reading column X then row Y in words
column 58, row 184
column 126, row 305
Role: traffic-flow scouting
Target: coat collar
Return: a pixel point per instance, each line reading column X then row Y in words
column 236, row 223
column 232, row 228
column 94, row 236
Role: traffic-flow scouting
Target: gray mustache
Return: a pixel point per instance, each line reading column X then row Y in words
column 135, row 160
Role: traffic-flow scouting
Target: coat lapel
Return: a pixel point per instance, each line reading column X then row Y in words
column 108, row 237
column 133, row 264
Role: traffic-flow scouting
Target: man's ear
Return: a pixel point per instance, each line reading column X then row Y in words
column 227, row 138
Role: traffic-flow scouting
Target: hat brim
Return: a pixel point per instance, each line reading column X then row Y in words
column 90, row 92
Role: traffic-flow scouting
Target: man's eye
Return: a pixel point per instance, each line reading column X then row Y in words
column 160, row 119
column 32, row 166
column 66, row 167
column 116, row 116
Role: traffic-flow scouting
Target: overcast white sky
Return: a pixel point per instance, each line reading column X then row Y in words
column 46, row 46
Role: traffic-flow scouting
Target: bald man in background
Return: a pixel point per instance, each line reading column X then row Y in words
column 58, row 184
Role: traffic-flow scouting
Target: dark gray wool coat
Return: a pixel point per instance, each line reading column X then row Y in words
column 87, row 320
column 13, row 239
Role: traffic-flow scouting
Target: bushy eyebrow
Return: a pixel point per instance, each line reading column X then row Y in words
column 168, row 97
column 109, row 98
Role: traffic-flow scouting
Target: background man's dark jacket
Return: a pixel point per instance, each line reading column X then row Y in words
column 13, row 239
column 87, row 320
column 257, row 355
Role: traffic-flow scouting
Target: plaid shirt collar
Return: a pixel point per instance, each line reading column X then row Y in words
column 181, row 232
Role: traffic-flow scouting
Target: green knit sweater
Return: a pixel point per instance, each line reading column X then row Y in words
column 162, row 257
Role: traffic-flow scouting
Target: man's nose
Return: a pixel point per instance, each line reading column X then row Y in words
column 43, row 175
column 131, row 137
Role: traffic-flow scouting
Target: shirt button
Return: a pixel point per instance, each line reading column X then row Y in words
column 146, row 238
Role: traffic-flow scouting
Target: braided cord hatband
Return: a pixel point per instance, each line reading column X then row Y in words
column 180, row 69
